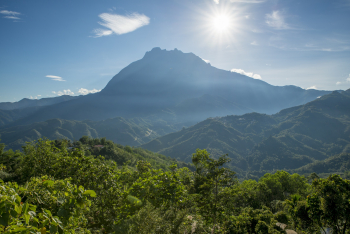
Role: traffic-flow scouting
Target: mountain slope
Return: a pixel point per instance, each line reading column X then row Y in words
column 25, row 102
column 8, row 116
column 289, row 139
column 166, row 84
column 122, row 131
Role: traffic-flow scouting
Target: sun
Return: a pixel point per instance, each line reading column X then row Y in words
column 221, row 23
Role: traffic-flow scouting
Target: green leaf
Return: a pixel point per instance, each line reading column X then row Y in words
column 133, row 200
column 14, row 213
column 18, row 209
column 62, row 212
column 26, row 218
column 53, row 229
column 49, row 183
column 90, row 192
column 25, row 207
column 4, row 219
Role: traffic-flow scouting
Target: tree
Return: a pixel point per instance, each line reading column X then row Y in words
column 330, row 203
column 210, row 180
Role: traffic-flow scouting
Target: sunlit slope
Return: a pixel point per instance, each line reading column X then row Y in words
column 289, row 139
column 177, row 87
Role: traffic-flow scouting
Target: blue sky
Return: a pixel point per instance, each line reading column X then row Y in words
column 50, row 48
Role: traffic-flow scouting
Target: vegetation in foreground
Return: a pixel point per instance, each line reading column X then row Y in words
column 52, row 188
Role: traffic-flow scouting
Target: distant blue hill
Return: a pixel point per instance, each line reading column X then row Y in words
column 25, row 102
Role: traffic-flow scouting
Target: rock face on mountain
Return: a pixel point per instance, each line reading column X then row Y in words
column 177, row 87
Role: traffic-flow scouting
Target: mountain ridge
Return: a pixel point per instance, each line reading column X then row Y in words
column 157, row 84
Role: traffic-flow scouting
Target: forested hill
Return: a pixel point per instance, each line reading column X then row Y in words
column 177, row 87
column 290, row 139
column 131, row 132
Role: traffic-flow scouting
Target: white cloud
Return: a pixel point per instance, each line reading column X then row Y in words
column 276, row 20
column 348, row 79
column 85, row 91
column 55, row 78
column 205, row 60
column 64, row 92
column 217, row 1
column 35, row 97
column 6, row 12
column 312, row 87
column 338, row 83
column 10, row 14
column 250, row 74
column 254, row 43
column 12, row 17
column 102, row 32
column 120, row 24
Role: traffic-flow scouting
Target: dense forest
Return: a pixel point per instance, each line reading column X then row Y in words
column 68, row 187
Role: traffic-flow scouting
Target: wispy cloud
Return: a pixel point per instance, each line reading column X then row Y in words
column 64, row 92
column 254, row 43
column 35, row 97
column 10, row 14
column 12, row 17
column 276, row 20
column 86, row 91
column 55, row 78
column 6, row 12
column 120, row 24
column 217, row 1
column 347, row 80
column 250, row 74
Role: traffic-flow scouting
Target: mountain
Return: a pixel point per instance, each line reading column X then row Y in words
column 337, row 163
column 25, row 102
column 131, row 132
column 289, row 139
column 176, row 87
column 8, row 116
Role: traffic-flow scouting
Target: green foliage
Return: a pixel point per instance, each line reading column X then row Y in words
column 253, row 221
column 210, row 180
column 330, row 203
column 75, row 190
column 61, row 206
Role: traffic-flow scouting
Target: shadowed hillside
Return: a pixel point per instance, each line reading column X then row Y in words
column 289, row 139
